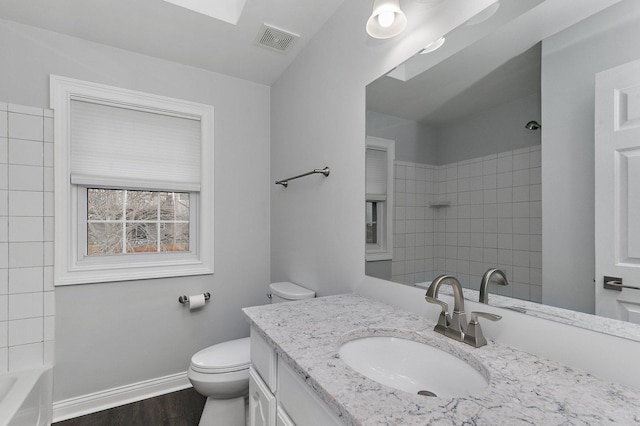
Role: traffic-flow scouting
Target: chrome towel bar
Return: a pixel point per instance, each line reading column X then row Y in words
column 285, row 182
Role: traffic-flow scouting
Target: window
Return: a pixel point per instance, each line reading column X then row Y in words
column 133, row 184
column 372, row 221
column 380, row 154
column 126, row 221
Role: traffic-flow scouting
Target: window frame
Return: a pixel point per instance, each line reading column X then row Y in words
column 383, row 250
column 70, row 206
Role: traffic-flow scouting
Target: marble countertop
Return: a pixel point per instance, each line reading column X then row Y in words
column 523, row 388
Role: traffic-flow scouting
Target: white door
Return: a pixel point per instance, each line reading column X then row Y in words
column 617, row 191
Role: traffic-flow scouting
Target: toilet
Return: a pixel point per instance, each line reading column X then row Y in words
column 221, row 372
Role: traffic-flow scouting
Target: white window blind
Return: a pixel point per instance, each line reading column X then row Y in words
column 119, row 147
column 376, row 174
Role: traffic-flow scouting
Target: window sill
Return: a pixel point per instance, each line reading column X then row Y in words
column 373, row 257
column 87, row 275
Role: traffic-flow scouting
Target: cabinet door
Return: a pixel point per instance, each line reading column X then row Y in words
column 301, row 403
column 282, row 418
column 262, row 403
column 264, row 359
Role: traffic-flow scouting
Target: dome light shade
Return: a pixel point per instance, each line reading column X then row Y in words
column 387, row 20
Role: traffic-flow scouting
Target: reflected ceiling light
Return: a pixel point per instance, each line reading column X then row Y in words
column 485, row 14
column 387, row 20
column 434, row 45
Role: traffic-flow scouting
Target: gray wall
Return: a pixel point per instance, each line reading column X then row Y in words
column 570, row 61
column 379, row 269
column 114, row 334
column 492, row 131
column 318, row 118
column 415, row 142
column 487, row 132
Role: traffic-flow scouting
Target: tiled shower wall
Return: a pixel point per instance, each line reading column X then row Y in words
column 26, row 237
column 494, row 220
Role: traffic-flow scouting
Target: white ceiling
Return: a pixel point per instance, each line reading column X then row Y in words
column 164, row 30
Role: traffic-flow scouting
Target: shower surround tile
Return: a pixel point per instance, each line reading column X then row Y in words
column 493, row 219
column 27, row 311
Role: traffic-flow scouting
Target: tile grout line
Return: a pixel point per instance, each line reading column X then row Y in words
column 6, row 325
column 43, row 236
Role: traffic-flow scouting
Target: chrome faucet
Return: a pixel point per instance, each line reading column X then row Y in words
column 473, row 336
column 498, row 276
column 456, row 326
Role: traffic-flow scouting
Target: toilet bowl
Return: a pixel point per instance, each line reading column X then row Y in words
column 221, row 372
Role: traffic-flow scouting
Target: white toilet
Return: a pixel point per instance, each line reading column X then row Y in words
column 221, row 372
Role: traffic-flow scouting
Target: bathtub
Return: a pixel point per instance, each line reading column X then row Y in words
column 26, row 397
column 425, row 284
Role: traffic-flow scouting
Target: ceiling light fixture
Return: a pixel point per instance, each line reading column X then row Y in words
column 433, row 46
column 387, row 20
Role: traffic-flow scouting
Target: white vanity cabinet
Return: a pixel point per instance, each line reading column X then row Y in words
column 282, row 418
column 278, row 396
column 262, row 403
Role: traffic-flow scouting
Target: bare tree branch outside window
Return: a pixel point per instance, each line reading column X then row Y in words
column 124, row 221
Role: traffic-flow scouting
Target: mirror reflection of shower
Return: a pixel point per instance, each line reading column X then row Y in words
column 533, row 125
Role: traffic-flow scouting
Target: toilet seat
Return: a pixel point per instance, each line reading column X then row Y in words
column 226, row 357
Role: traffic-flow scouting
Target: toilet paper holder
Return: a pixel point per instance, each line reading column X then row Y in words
column 185, row 299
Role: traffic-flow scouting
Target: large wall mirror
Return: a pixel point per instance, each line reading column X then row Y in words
column 476, row 131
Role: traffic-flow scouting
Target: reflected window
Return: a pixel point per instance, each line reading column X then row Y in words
column 380, row 154
column 372, row 222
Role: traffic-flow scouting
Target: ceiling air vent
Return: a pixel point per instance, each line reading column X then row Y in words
column 276, row 39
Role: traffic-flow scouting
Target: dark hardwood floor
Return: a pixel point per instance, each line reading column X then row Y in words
column 182, row 408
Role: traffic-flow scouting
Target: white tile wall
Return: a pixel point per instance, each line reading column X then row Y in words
column 414, row 222
column 494, row 220
column 27, row 310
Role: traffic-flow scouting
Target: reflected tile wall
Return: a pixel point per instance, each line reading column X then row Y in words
column 27, row 310
column 494, row 219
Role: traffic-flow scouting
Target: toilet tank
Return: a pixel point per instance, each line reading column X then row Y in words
column 286, row 291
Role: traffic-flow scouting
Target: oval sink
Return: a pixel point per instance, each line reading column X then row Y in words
column 412, row 366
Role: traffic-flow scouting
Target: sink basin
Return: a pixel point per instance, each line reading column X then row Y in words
column 412, row 366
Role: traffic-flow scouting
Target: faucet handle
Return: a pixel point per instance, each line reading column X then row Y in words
column 473, row 336
column 443, row 319
column 487, row 315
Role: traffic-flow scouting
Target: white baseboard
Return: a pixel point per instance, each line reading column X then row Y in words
column 98, row 401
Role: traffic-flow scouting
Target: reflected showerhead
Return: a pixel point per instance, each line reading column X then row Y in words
column 533, row 125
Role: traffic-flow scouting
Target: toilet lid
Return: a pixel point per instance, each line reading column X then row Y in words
column 291, row 291
column 224, row 357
